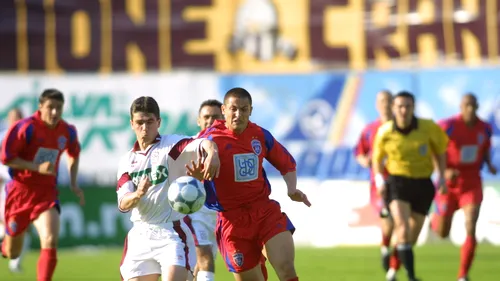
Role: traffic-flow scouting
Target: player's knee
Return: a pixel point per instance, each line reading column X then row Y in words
column 12, row 253
column 470, row 227
column 205, row 259
column 285, row 269
column 48, row 241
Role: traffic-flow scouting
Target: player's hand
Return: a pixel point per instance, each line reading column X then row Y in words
column 492, row 169
column 211, row 166
column 47, row 168
column 195, row 169
column 442, row 188
column 451, row 174
column 79, row 193
column 143, row 186
column 381, row 185
column 299, row 196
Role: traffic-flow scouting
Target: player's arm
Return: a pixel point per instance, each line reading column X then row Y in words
column 378, row 155
column 361, row 151
column 487, row 151
column 281, row 159
column 439, row 143
column 73, row 152
column 128, row 195
column 14, row 142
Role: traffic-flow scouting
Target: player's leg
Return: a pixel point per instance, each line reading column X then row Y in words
column 441, row 218
column 15, row 264
column 17, row 219
column 386, row 227
column 12, row 245
column 281, row 254
column 47, row 225
column 470, row 202
column 137, row 262
column 205, row 264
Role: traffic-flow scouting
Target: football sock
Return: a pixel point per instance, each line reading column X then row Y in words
column 467, row 255
column 264, row 270
column 294, row 279
column 394, row 261
column 46, row 264
column 205, row 276
column 384, row 250
column 405, row 254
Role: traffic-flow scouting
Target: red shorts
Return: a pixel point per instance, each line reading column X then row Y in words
column 460, row 193
column 241, row 234
column 23, row 204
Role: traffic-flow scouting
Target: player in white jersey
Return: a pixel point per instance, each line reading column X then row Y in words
column 159, row 243
column 13, row 116
column 202, row 223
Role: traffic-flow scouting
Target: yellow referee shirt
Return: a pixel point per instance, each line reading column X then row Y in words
column 409, row 154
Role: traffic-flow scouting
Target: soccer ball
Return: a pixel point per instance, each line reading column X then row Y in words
column 186, row 195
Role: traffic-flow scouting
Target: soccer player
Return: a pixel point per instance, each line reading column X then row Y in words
column 202, row 223
column 363, row 152
column 159, row 243
column 32, row 149
column 468, row 149
column 408, row 146
column 247, row 219
column 13, row 116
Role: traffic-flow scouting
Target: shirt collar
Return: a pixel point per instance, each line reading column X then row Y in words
column 137, row 148
column 407, row 130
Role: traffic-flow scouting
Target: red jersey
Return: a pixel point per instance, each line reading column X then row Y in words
column 365, row 143
column 242, row 179
column 32, row 140
column 467, row 145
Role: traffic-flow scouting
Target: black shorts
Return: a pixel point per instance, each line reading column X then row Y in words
column 419, row 193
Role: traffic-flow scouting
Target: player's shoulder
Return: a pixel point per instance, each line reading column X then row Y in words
column 426, row 123
column 386, row 127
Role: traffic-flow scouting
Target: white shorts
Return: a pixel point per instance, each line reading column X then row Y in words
column 202, row 225
column 151, row 249
column 3, row 197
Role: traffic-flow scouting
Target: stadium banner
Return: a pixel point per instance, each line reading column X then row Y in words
column 230, row 36
column 322, row 123
column 340, row 215
column 99, row 107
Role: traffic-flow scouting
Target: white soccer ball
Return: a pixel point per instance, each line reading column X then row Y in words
column 186, row 195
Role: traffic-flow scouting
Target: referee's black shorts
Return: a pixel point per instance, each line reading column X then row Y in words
column 419, row 193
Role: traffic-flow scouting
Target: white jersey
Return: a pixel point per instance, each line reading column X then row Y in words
column 163, row 162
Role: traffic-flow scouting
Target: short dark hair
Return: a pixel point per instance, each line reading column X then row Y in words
column 211, row 102
column 405, row 94
column 238, row 93
column 51, row 94
column 145, row 105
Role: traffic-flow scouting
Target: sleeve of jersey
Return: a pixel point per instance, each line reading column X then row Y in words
column 378, row 152
column 73, row 145
column 181, row 154
column 124, row 185
column 15, row 141
column 438, row 138
column 361, row 147
column 489, row 134
column 446, row 126
column 277, row 154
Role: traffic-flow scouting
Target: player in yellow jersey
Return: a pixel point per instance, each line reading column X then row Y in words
column 407, row 146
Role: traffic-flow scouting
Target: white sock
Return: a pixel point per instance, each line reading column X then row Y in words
column 205, row 276
column 384, row 250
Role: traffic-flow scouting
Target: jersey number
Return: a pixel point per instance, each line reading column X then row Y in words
column 46, row 155
column 246, row 167
column 468, row 154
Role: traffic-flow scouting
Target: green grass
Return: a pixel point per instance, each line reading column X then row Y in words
column 434, row 263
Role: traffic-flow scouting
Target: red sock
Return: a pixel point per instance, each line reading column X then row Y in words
column 467, row 255
column 294, row 279
column 46, row 264
column 394, row 261
column 386, row 240
column 264, row 270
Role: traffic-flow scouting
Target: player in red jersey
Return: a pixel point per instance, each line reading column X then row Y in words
column 468, row 149
column 363, row 152
column 32, row 148
column 248, row 220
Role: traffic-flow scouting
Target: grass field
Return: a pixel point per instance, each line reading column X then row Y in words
column 434, row 263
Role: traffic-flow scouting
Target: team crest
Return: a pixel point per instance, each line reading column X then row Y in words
column 155, row 157
column 61, row 142
column 238, row 259
column 256, row 146
column 480, row 139
column 422, row 149
column 13, row 226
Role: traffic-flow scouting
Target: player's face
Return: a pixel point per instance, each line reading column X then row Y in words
column 13, row 116
column 384, row 104
column 146, row 126
column 402, row 108
column 237, row 112
column 208, row 114
column 51, row 111
column 468, row 108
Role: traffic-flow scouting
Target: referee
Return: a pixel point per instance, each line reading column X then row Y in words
column 407, row 145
